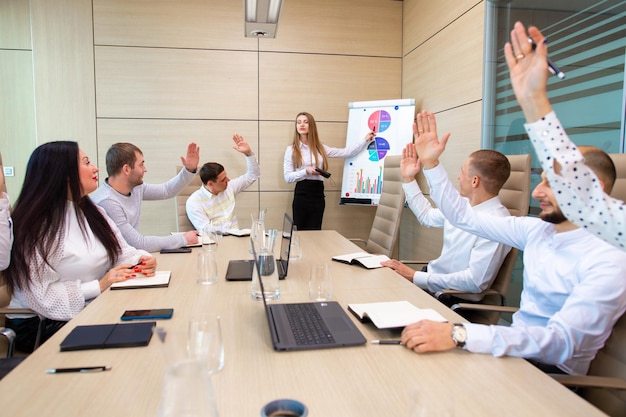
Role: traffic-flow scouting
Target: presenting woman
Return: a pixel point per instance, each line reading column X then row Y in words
column 301, row 160
column 66, row 251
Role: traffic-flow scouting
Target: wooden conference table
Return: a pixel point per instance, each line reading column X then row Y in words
column 367, row 380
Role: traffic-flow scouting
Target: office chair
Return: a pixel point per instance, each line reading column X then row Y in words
column 182, row 221
column 10, row 362
column 619, row 188
column 605, row 384
column 514, row 195
column 384, row 232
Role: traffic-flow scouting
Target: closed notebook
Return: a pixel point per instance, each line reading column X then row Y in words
column 159, row 280
column 106, row 336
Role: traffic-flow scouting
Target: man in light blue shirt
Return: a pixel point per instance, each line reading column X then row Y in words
column 574, row 287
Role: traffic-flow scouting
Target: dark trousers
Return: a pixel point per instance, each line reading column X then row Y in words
column 26, row 331
column 308, row 205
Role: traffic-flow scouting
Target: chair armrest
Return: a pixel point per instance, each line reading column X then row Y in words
column 469, row 296
column 413, row 262
column 10, row 310
column 358, row 241
column 10, row 336
column 484, row 307
column 590, row 381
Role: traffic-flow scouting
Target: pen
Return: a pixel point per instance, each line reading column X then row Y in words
column 386, row 342
column 83, row 369
column 554, row 70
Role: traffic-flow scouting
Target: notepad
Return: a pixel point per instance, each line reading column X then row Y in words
column 106, row 336
column 159, row 280
column 386, row 315
column 364, row 259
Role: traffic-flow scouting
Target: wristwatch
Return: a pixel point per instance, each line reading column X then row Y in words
column 459, row 334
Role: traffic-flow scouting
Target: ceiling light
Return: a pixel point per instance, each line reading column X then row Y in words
column 261, row 18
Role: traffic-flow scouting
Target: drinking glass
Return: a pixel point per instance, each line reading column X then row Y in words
column 207, row 266
column 205, row 341
column 320, row 283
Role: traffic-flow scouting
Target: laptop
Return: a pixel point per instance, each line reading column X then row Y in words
column 241, row 269
column 311, row 325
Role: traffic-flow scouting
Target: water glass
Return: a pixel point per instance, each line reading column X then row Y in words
column 210, row 238
column 205, row 341
column 320, row 283
column 266, row 270
column 187, row 386
column 295, row 250
column 207, row 266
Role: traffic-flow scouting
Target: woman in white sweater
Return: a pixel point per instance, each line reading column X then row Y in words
column 66, row 251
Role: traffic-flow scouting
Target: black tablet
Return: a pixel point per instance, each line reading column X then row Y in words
column 240, row 270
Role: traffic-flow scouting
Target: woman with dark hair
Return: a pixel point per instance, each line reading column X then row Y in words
column 66, row 251
column 302, row 157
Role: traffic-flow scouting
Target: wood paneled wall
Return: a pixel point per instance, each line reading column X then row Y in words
column 163, row 73
column 442, row 68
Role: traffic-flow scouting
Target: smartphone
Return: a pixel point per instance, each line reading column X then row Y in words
column 177, row 250
column 323, row 173
column 157, row 313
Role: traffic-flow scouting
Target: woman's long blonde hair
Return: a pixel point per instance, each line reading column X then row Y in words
column 314, row 143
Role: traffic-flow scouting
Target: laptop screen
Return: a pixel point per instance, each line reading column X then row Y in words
column 285, row 243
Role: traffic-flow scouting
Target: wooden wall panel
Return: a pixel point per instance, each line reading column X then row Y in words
column 62, row 34
column 176, row 83
column 200, row 24
column 445, row 72
column 18, row 136
column 423, row 19
column 323, row 85
column 15, row 24
column 346, row 27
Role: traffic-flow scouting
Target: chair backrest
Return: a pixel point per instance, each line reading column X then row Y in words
column 384, row 233
column 3, row 187
column 515, row 193
column 619, row 189
column 182, row 221
column 610, row 361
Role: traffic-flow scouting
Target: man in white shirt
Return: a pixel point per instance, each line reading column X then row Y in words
column 214, row 202
column 573, row 290
column 123, row 191
column 467, row 262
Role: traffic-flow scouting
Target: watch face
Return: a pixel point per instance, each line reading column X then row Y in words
column 459, row 334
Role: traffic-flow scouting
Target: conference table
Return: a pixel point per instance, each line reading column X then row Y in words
column 365, row 380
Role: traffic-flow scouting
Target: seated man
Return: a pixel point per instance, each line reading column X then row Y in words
column 573, row 290
column 122, row 192
column 467, row 262
column 214, row 202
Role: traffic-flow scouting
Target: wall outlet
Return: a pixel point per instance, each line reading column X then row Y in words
column 9, row 172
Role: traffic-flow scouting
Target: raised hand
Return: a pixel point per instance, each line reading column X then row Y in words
column 427, row 143
column 528, row 69
column 241, row 145
column 409, row 164
column 193, row 157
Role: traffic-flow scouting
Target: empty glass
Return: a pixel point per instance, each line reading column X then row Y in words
column 295, row 251
column 207, row 266
column 320, row 283
column 205, row 341
column 187, row 387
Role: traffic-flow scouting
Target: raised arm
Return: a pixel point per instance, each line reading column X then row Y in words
column 574, row 184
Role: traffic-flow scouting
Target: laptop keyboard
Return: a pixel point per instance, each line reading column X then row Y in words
column 307, row 325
